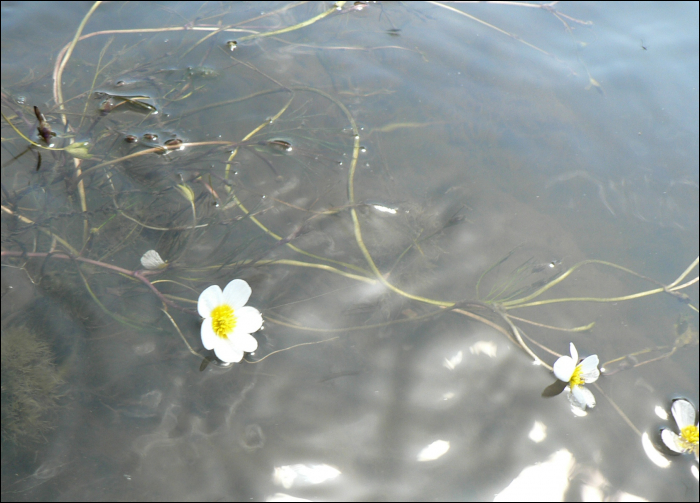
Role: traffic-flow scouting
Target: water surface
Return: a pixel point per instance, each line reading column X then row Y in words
column 491, row 152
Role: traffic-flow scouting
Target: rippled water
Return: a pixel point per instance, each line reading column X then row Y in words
column 476, row 152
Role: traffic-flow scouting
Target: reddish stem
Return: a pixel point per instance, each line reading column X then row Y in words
column 139, row 274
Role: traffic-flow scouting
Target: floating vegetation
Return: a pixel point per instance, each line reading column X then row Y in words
column 228, row 322
column 686, row 441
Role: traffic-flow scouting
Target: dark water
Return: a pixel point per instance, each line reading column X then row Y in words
column 489, row 160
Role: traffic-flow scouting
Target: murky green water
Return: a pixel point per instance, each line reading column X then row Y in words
column 395, row 182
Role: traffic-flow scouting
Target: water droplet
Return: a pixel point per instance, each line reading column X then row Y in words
column 363, row 149
column 357, row 136
column 340, row 163
column 131, row 138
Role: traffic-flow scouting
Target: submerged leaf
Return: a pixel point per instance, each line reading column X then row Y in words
column 79, row 150
column 186, row 192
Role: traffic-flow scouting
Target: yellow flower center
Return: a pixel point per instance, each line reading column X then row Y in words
column 690, row 434
column 576, row 379
column 223, row 321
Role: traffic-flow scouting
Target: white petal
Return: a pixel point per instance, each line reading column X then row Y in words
column 209, row 338
column 208, row 300
column 589, row 369
column 672, row 440
column 574, row 353
column 226, row 352
column 576, row 398
column 589, row 397
column 151, row 260
column 582, row 397
column 564, row 368
column 248, row 319
column 237, row 293
column 683, row 412
column 243, row 341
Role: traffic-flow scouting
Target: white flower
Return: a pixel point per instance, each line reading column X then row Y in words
column 566, row 369
column 228, row 322
column 684, row 414
column 151, row 260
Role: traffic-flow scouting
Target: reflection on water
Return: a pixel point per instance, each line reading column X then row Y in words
column 429, row 202
column 647, row 200
column 546, row 481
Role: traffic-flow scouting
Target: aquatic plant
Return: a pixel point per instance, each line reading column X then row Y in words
column 112, row 173
column 31, row 385
column 575, row 374
column 228, row 322
column 686, row 441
